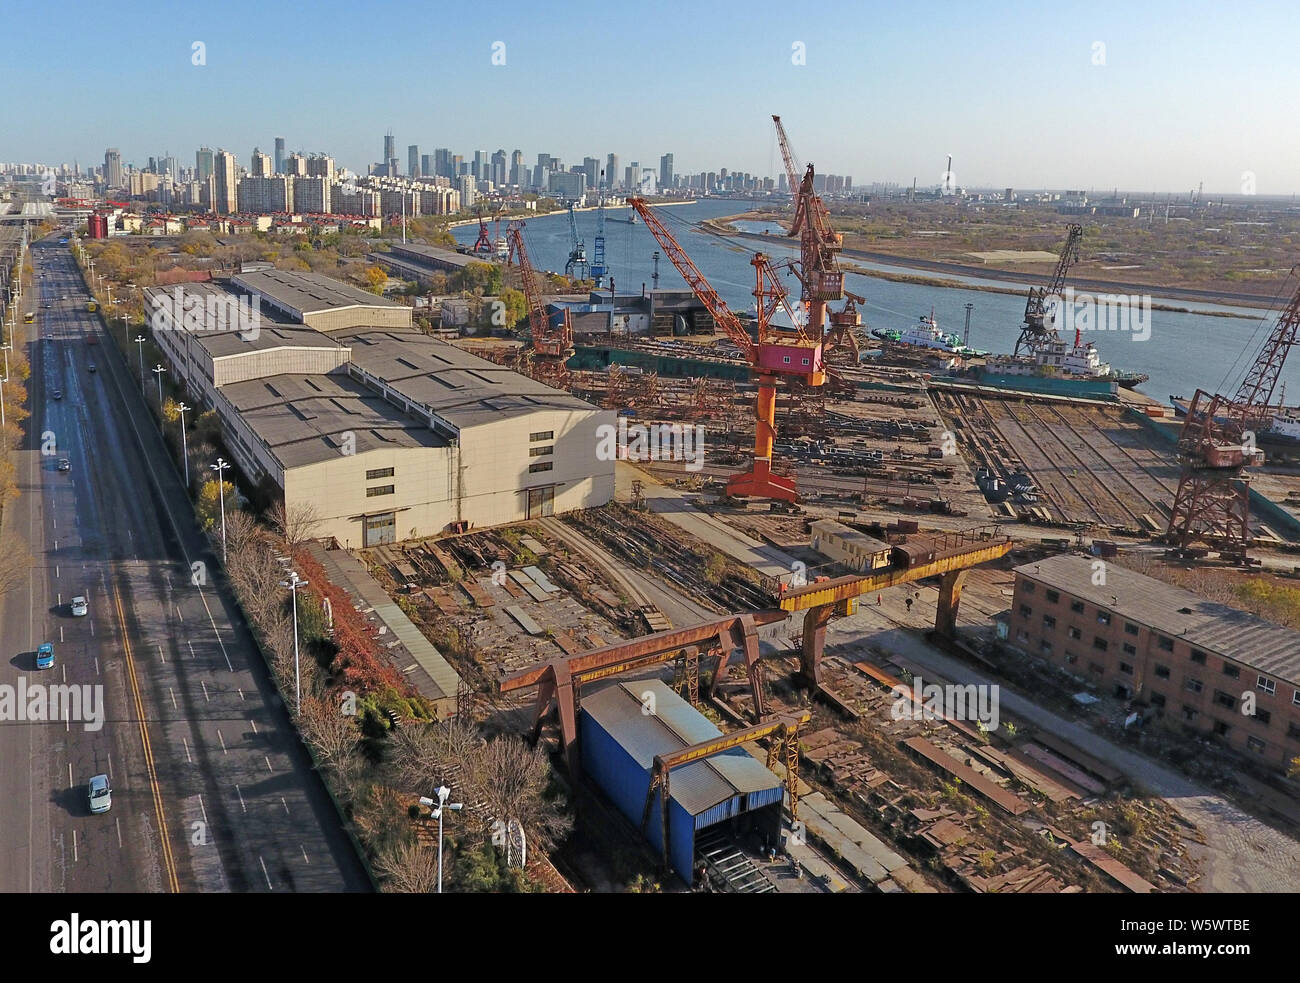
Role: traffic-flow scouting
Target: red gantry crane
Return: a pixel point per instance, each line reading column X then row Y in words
column 553, row 335
column 771, row 354
column 1218, row 443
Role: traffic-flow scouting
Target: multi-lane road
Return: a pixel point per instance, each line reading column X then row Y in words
column 211, row 790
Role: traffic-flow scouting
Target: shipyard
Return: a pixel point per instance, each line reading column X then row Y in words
column 469, row 522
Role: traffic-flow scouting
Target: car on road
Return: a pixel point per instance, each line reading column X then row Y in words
column 65, row 464
column 57, row 393
column 79, row 607
column 91, row 367
column 45, row 656
column 101, row 796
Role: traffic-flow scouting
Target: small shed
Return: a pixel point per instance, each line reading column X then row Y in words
column 849, row 546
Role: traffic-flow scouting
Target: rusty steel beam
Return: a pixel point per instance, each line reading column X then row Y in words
column 725, row 742
column 843, row 588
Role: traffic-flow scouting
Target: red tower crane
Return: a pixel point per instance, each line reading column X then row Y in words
column 1218, row 443
column 552, row 337
column 483, row 244
column 771, row 353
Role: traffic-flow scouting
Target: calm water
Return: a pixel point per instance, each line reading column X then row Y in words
column 1185, row 351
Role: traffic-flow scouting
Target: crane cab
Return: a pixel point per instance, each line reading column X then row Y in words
column 794, row 357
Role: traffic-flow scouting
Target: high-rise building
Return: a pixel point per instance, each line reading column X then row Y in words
column 279, row 155
column 458, row 166
column 591, row 167
column 413, row 160
column 427, row 168
column 480, row 165
column 666, row 171
column 632, row 176
column 499, row 174
column 262, row 195
column 468, row 191
column 442, row 165
column 611, row 171
column 570, row 185
column 223, row 170
column 390, row 147
column 167, row 166
column 312, row 194
column 318, row 165
column 203, row 168
column 261, row 164
column 112, row 168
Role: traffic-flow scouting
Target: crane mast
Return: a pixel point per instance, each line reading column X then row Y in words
column 552, row 338
column 577, row 261
column 598, row 267
column 770, row 353
column 1036, row 329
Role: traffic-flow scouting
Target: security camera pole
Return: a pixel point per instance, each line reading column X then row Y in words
column 443, row 793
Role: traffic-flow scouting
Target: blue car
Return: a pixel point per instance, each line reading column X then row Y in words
column 45, row 656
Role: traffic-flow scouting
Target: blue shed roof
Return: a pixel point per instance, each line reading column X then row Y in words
column 711, row 789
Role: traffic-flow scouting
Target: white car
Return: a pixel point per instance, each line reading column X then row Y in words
column 100, row 795
column 79, row 607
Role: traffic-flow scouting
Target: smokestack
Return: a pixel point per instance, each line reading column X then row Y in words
column 947, row 175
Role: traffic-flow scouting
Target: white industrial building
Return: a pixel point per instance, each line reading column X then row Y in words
column 384, row 432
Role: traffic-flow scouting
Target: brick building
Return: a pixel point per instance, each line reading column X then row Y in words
column 1194, row 662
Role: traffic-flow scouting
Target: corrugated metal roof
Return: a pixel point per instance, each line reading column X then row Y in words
column 700, row 787
column 1225, row 631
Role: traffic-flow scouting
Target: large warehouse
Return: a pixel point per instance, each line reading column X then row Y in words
column 619, row 741
column 383, row 432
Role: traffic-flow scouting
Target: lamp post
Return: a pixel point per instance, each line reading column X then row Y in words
column 293, row 583
column 5, row 349
column 158, row 370
column 219, row 467
column 139, row 345
column 185, row 453
column 443, row 793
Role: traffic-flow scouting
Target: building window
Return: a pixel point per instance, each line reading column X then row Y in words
column 1221, row 728
column 1157, row 699
column 379, row 490
column 1130, row 649
column 1189, row 713
column 1096, row 668
column 1255, row 744
column 1028, row 586
column 1130, row 628
column 1053, row 596
column 1100, row 644
column 1046, row 647
column 1074, row 633
column 1165, row 644
column 1194, row 685
column 1293, row 731
column 540, row 466
column 539, row 451
column 379, row 473
column 1071, row 658
column 1103, row 617
column 1025, row 610
column 1076, row 607
column 541, row 435
column 1126, row 668
column 1225, row 699
column 1267, row 685
column 1295, row 697
column 1162, row 672
column 1049, row 621
column 1263, row 716
column 1022, row 635
column 1197, row 656
column 1231, row 671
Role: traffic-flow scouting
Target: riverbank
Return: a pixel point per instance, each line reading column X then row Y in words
column 560, row 211
column 723, row 226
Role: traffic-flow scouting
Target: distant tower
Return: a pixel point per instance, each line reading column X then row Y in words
column 390, row 147
column 279, row 155
column 947, row 177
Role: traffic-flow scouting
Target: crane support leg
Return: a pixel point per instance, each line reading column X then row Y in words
column 945, row 619
column 566, row 698
column 744, row 636
column 760, row 482
column 814, row 642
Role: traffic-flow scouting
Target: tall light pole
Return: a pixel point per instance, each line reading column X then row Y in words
column 185, row 454
column 139, row 345
column 219, row 467
column 5, row 349
column 443, row 793
column 293, row 583
column 158, row 370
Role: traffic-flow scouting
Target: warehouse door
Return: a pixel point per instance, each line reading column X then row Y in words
column 541, row 502
column 381, row 529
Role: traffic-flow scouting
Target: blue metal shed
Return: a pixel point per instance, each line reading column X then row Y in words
column 623, row 727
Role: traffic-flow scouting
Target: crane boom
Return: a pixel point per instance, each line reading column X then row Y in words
column 1035, row 328
column 551, row 346
column 787, row 155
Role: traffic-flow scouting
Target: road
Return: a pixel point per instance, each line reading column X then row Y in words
column 212, row 791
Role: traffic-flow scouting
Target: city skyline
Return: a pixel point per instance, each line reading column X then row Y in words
column 862, row 93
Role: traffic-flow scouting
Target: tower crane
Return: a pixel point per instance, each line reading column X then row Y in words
column 1036, row 330
column 770, row 353
column 598, row 267
column 483, row 244
column 819, row 246
column 577, row 261
column 552, row 337
column 1218, row 443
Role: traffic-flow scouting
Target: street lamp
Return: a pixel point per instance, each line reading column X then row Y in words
column 185, row 454
column 443, row 793
column 5, row 349
column 158, row 370
column 139, row 345
column 293, row 583
column 219, row 467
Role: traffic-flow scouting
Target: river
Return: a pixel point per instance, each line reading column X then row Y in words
column 1182, row 353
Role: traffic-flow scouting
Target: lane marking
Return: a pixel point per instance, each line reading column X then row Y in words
column 268, row 764
column 305, row 858
column 118, row 823
column 173, row 696
column 205, row 691
column 161, row 656
column 254, row 725
column 285, row 804
column 188, row 759
column 241, row 798
column 264, row 873
column 223, row 741
column 74, row 847
column 202, row 809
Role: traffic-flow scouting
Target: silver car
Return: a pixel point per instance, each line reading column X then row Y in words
column 79, row 607
column 101, row 796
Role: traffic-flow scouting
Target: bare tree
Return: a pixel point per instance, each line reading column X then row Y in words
column 332, row 736
column 512, row 780
column 409, row 868
column 296, row 523
column 15, row 562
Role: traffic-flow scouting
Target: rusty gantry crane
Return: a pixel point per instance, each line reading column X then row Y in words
column 819, row 246
column 770, row 354
column 1217, row 444
column 552, row 337
column 1036, row 330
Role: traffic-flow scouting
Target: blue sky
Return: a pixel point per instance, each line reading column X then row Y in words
column 1188, row 92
